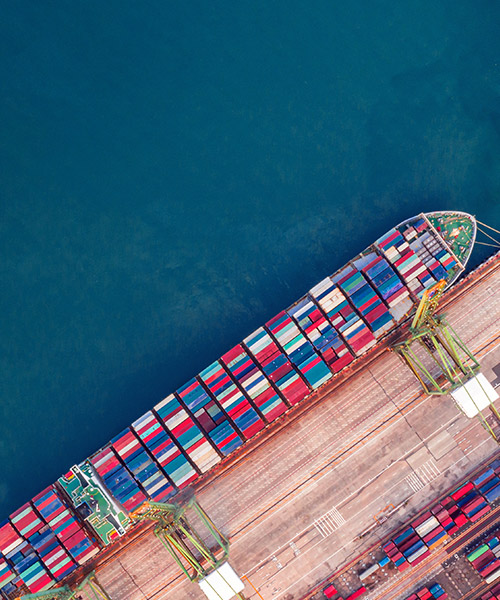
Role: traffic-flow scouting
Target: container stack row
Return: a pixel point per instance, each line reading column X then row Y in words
column 43, row 540
column 468, row 503
column 493, row 594
column 486, row 559
column 210, row 416
column 359, row 592
column 409, row 265
column 343, row 316
column 488, row 482
column 428, row 593
column 153, row 435
column 299, row 350
column 147, row 473
column 276, row 366
column 430, row 249
column 20, row 565
column 367, row 302
column 254, row 382
column 41, row 543
column 232, row 400
column 321, row 333
column 388, row 285
column 406, row 549
column 118, row 479
column 53, row 510
column 186, row 433
column 471, row 503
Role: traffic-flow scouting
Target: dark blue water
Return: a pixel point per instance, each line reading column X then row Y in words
column 173, row 174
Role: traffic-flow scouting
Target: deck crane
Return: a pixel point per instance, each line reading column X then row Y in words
column 201, row 555
column 90, row 584
column 442, row 362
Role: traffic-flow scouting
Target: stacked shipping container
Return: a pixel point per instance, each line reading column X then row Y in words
column 486, row 559
column 166, row 453
column 388, row 285
column 118, row 479
column 493, row 594
column 210, row 416
column 144, row 470
column 19, row 563
column 276, row 366
column 322, row 334
column 366, row 301
column 428, row 593
column 468, row 503
column 41, row 537
column 63, row 524
column 342, row 316
column 186, row 433
column 299, row 350
column 232, row 400
column 254, row 382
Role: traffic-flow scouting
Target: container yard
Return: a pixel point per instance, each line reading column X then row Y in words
column 278, row 438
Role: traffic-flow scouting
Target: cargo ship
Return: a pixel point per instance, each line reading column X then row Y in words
column 275, row 368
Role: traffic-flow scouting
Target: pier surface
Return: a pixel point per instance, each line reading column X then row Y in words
column 360, row 460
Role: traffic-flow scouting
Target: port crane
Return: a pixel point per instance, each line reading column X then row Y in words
column 442, row 362
column 90, row 583
column 193, row 540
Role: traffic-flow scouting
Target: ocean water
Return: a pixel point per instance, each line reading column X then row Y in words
column 173, row 174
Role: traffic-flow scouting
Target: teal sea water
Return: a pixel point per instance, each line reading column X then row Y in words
column 174, row 173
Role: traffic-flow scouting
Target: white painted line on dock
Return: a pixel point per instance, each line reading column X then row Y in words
column 329, row 522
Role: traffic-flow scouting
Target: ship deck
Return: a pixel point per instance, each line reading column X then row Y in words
column 296, row 501
column 457, row 230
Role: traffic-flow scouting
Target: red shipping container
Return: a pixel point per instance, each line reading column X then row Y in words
column 463, row 490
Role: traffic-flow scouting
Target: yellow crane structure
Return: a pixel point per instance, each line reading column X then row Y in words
column 193, row 540
column 433, row 351
column 441, row 361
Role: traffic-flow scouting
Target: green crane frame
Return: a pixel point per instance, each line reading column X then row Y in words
column 65, row 592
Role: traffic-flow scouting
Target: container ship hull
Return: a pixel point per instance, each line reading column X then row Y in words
column 191, row 430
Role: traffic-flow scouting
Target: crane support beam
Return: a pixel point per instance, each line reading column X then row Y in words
column 90, row 584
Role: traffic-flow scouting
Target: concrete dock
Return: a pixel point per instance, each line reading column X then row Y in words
column 363, row 458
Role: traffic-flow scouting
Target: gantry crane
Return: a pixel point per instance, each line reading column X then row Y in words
column 202, row 557
column 451, row 362
column 90, row 584
column 441, row 361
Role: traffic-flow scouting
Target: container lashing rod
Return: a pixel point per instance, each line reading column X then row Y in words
column 90, row 583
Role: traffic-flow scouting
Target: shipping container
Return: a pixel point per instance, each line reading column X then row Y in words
column 342, row 316
column 252, row 379
column 322, row 334
column 232, row 400
column 52, row 509
column 166, row 453
column 276, row 366
column 210, row 416
column 118, row 479
column 299, row 350
column 150, row 478
column 186, row 433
